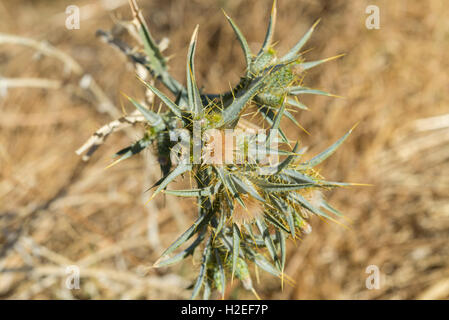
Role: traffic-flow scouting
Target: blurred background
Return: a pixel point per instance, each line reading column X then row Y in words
column 56, row 210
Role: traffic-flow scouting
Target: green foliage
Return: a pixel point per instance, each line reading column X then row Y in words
column 275, row 205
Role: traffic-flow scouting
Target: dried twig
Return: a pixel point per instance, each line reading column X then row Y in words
column 433, row 123
column 6, row 83
column 104, row 104
column 100, row 136
column 44, row 48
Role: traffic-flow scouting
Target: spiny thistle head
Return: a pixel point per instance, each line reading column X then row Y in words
column 249, row 202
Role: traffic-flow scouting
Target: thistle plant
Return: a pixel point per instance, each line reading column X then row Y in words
column 250, row 203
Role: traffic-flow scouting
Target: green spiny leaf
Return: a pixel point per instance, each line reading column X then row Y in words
column 180, row 169
column 328, row 207
column 326, row 153
column 296, row 197
column 275, row 222
column 205, row 192
column 311, row 64
column 182, row 255
column 270, row 29
column 268, row 115
column 268, row 240
column 131, row 150
column 170, row 104
column 153, row 119
column 197, row 225
column 192, row 89
column 281, row 187
column 155, row 60
column 221, row 222
column 298, row 176
column 202, row 274
column 247, row 187
column 293, row 53
column 243, row 42
column 229, row 185
column 152, row 51
column 286, row 209
column 283, row 248
column 235, row 246
column 292, row 118
column 231, row 113
column 265, row 265
column 336, row 184
column 288, row 160
column 303, row 90
column 291, row 222
column 276, row 122
column 296, row 103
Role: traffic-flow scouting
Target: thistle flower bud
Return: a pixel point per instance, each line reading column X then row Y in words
column 246, row 208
